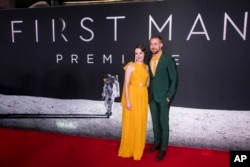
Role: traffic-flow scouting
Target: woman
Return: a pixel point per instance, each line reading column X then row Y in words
column 134, row 103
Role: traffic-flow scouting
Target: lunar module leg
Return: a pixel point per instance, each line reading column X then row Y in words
column 109, row 106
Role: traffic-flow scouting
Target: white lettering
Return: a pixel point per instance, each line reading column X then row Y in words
column 242, row 34
column 53, row 30
column 107, row 58
column 122, row 58
column 59, row 57
column 243, row 158
column 74, row 58
column 90, row 58
column 36, row 30
column 176, row 59
column 115, row 24
column 169, row 20
column 198, row 18
column 239, row 158
column 63, row 28
column 89, row 30
column 13, row 30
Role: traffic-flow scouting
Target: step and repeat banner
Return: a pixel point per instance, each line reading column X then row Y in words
column 65, row 52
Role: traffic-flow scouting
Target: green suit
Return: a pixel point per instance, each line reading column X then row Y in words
column 162, row 86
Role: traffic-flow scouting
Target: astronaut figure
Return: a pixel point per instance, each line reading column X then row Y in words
column 111, row 90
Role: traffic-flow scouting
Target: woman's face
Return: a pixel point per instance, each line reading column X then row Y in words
column 139, row 55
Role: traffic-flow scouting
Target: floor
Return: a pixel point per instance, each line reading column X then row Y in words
column 198, row 128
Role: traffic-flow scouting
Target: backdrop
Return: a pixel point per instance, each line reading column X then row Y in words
column 64, row 52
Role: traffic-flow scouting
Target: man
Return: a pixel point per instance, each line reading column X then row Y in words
column 163, row 83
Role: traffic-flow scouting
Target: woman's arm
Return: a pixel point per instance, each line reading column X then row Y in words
column 128, row 72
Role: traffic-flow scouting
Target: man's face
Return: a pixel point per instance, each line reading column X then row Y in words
column 155, row 45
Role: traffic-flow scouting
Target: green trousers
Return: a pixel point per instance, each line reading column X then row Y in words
column 160, row 121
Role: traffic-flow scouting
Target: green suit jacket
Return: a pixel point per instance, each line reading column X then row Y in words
column 163, row 85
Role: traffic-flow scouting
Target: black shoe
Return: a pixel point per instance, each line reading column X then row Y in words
column 160, row 156
column 154, row 148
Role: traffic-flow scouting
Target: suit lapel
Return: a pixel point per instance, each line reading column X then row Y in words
column 150, row 70
column 159, row 64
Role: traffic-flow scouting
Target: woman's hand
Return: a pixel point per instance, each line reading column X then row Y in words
column 128, row 105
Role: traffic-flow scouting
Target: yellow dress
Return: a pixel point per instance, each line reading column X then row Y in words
column 134, row 122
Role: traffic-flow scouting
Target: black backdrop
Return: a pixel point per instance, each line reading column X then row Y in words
column 64, row 52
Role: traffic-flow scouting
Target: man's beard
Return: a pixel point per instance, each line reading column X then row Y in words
column 155, row 51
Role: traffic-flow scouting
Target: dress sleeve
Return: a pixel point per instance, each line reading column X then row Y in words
column 126, row 66
column 123, row 98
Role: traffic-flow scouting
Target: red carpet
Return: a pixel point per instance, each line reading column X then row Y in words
column 23, row 148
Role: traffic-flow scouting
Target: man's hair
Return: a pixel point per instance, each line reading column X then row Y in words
column 158, row 37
